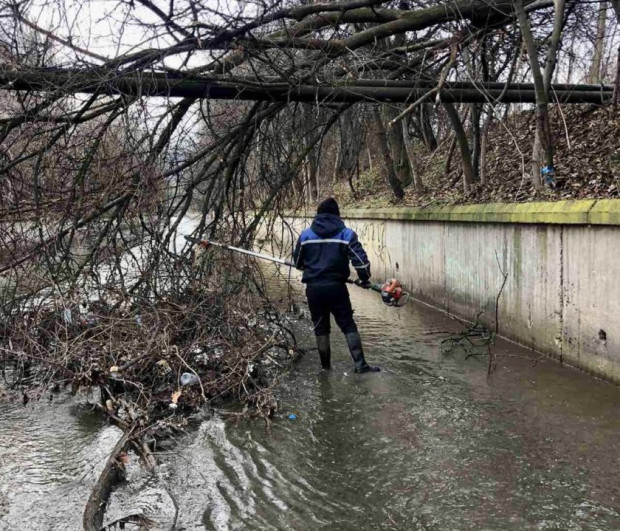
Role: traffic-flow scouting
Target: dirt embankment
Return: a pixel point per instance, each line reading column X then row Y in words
column 587, row 161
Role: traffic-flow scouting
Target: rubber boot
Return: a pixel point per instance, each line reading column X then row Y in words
column 325, row 352
column 357, row 353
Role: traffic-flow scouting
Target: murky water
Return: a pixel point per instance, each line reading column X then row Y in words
column 429, row 443
column 50, row 456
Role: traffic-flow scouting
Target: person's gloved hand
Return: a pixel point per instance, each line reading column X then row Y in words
column 362, row 283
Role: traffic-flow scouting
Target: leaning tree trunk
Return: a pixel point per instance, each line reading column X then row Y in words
column 616, row 5
column 543, row 142
column 351, row 142
column 369, row 154
column 476, row 139
column 311, row 180
column 392, row 178
column 450, row 156
column 398, row 147
column 594, row 75
column 427, row 127
column 616, row 97
column 418, row 183
column 484, row 145
column 537, row 152
column 461, row 137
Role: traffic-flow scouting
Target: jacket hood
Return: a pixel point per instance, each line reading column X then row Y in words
column 327, row 225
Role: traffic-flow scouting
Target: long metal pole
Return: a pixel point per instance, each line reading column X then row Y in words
column 242, row 251
column 370, row 285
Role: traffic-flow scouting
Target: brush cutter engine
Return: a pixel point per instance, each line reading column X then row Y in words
column 392, row 293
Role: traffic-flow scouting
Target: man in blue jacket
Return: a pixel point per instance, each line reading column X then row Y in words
column 323, row 253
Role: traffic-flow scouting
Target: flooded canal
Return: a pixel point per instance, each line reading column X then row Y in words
column 429, row 443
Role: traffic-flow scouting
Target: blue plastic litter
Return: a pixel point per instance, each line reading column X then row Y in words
column 292, row 416
column 548, row 173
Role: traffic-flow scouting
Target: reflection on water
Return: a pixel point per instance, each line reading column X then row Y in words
column 429, row 443
column 50, row 456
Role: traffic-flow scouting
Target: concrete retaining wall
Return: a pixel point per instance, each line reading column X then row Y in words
column 562, row 296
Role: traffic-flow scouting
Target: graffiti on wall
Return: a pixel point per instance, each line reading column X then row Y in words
column 372, row 235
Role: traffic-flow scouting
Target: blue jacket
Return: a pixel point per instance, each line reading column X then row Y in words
column 323, row 252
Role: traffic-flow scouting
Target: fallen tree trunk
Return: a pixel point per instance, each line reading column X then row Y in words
column 67, row 81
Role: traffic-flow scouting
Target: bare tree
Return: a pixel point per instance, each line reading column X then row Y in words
column 389, row 166
column 463, row 143
column 594, row 75
column 543, row 142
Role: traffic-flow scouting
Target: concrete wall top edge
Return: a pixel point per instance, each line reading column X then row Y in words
column 580, row 212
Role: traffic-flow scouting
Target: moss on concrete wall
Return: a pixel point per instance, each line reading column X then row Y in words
column 584, row 212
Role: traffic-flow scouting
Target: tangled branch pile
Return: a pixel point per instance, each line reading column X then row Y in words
column 137, row 355
column 155, row 358
column 137, row 348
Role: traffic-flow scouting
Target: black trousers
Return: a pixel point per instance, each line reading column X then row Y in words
column 326, row 299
